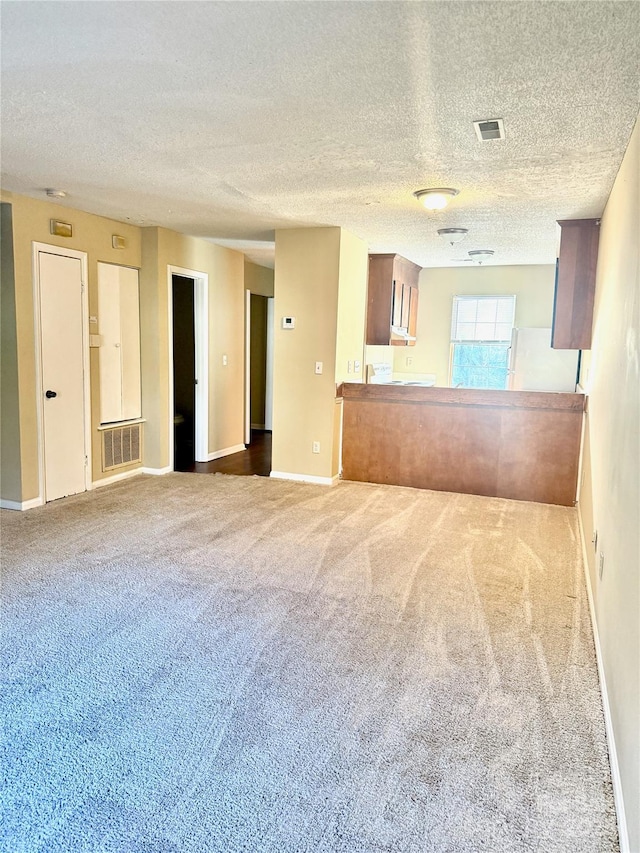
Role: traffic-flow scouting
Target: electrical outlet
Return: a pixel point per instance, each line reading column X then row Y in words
column 349, row 367
column 356, row 367
column 594, row 541
column 225, row 360
column 315, row 447
column 409, row 361
column 601, row 567
column 318, row 367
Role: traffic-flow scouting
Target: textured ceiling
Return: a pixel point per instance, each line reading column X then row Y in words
column 228, row 120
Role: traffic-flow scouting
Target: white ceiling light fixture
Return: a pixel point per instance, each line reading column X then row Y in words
column 481, row 255
column 453, row 235
column 55, row 193
column 436, row 198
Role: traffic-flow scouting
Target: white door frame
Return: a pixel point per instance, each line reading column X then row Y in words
column 201, row 334
column 247, row 367
column 268, row 402
column 82, row 257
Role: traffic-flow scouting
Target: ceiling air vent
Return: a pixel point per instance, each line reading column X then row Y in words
column 489, row 129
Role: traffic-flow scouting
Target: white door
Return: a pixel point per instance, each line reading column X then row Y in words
column 62, row 353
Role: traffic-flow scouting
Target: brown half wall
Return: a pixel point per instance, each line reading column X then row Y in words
column 523, row 445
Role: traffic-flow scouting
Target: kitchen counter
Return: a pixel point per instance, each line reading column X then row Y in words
column 514, row 444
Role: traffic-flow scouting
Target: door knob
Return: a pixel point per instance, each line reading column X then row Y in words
column 50, row 394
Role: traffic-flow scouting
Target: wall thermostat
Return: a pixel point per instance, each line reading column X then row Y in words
column 288, row 322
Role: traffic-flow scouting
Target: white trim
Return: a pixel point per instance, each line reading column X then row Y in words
column 82, row 257
column 201, row 334
column 226, row 451
column 247, row 367
column 114, row 478
column 268, row 402
column 616, row 781
column 156, row 471
column 305, row 478
column 21, row 505
column 116, row 424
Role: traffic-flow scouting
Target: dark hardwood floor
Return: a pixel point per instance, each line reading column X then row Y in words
column 256, row 459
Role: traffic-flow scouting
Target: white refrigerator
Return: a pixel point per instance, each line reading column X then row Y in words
column 535, row 366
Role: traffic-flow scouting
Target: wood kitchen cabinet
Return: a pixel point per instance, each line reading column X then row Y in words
column 392, row 301
column 575, row 284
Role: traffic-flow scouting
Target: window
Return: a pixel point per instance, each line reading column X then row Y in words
column 481, row 328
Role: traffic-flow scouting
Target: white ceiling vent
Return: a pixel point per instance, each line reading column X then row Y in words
column 489, row 129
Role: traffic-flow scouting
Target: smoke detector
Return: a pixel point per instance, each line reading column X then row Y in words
column 489, row 129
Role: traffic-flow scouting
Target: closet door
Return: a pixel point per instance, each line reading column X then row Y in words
column 119, row 325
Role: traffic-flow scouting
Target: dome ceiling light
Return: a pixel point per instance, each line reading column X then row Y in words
column 453, row 235
column 436, row 198
column 481, row 255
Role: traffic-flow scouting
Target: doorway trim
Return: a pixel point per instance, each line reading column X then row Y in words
column 37, row 318
column 247, row 367
column 201, row 335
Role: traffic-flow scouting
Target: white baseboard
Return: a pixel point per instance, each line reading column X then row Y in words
column 114, row 478
column 305, row 478
column 21, row 506
column 227, row 451
column 616, row 781
column 156, row 471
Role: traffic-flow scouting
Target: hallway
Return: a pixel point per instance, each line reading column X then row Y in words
column 256, row 459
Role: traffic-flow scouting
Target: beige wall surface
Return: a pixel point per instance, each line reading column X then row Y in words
column 306, row 287
column 10, row 473
column 532, row 285
column 225, row 269
column 257, row 279
column 91, row 234
column 610, row 492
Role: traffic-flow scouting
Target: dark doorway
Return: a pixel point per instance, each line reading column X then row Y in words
column 184, row 373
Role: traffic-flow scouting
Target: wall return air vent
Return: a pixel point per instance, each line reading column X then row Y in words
column 121, row 446
column 489, row 129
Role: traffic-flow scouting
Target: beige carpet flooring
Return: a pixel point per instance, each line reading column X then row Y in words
column 201, row 663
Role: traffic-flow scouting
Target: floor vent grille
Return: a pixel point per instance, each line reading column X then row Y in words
column 121, row 446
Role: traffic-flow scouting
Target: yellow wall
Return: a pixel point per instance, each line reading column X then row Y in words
column 10, row 472
column 610, row 491
column 26, row 220
column 91, row 234
column 320, row 279
column 533, row 286
column 160, row 249
column 258, row 279
column 306, row 287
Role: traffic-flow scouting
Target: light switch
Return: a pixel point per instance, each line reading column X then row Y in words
column 356, row 367
column 318, row 367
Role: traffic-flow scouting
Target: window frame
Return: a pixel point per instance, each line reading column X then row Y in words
column 457, row 299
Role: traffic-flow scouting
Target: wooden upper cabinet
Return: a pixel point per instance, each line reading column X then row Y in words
column 392, row 301
column 575, row 284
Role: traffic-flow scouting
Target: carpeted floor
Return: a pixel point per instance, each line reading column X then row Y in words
column 206, row 663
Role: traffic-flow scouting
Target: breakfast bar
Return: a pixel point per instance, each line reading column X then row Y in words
column 523, row 445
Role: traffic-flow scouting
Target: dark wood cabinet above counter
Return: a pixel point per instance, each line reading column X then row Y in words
column 575, row 284
column 392, row 301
